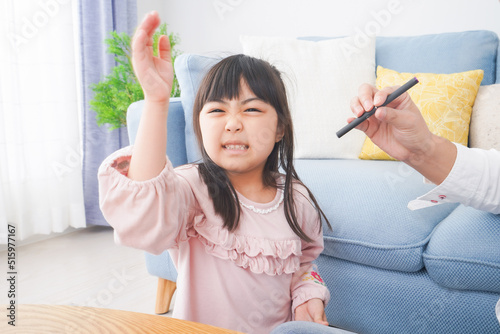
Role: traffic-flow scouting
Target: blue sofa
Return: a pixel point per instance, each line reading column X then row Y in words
column 389, row 269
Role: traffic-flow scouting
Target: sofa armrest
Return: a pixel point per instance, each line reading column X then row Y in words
column 176, row 140
column 463, row 252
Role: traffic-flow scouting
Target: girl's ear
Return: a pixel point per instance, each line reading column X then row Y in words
column 280, row 132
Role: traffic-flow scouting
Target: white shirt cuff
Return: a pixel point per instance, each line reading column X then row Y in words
column 458, row 186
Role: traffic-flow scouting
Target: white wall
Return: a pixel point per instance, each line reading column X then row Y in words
column 208, row 26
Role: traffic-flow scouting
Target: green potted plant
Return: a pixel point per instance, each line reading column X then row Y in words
column 117, row 91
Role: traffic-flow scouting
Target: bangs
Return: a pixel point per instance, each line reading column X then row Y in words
column 223, row 81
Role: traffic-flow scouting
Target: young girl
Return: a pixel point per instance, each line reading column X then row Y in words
column 242, row 235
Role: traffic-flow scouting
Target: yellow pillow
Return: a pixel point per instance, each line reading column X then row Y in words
column 445, row 101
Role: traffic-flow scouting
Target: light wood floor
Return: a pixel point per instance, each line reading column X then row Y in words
column 84, row 268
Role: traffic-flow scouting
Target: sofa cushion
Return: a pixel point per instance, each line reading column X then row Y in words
column 464, row 251
column 366, row 203
column 331, row 71
column 485, row 119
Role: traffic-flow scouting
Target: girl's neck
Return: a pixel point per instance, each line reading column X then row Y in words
column 252, row 187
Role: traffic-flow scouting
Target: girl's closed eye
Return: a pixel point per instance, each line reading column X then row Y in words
column 252, row 110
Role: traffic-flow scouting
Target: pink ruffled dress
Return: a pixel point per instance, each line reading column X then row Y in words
column 249, row 280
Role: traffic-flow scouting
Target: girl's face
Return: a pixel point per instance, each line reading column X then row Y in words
column 239, row 134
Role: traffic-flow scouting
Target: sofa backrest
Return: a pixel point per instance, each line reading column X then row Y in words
column 442, row 53
column 438, row 53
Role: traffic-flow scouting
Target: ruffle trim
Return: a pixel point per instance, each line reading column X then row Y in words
column 272, row 257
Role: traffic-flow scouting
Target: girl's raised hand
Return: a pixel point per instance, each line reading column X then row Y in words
column 155, row 74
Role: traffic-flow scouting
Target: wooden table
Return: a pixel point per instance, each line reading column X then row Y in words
column 54, row 319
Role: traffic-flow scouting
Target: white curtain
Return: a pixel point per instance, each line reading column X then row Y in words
column 40, row 155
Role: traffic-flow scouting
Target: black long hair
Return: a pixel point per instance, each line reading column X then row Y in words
column 223, row 82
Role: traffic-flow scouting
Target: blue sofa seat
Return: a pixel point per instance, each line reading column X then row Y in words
column 389, row 269
column 396, row 238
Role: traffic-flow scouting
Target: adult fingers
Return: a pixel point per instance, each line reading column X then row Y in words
column 365, row 95
column 401, row 119
column 380, row 96
column 362, row 127
column 356, row 106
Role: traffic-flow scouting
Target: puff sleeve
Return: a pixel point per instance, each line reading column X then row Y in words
column 151, row 215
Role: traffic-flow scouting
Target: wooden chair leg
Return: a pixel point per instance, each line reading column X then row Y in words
column 164, row 294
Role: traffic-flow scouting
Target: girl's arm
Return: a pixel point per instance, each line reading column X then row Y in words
column 155, row 74
column 140, row 195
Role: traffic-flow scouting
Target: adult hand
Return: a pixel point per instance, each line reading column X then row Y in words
column 398, row 128
column 312, row 310
column 155, row 74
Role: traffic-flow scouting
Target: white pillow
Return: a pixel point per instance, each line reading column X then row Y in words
column 321, row 79
column 484, row 129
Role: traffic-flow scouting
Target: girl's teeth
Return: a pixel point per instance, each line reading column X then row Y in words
column 236, row 147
